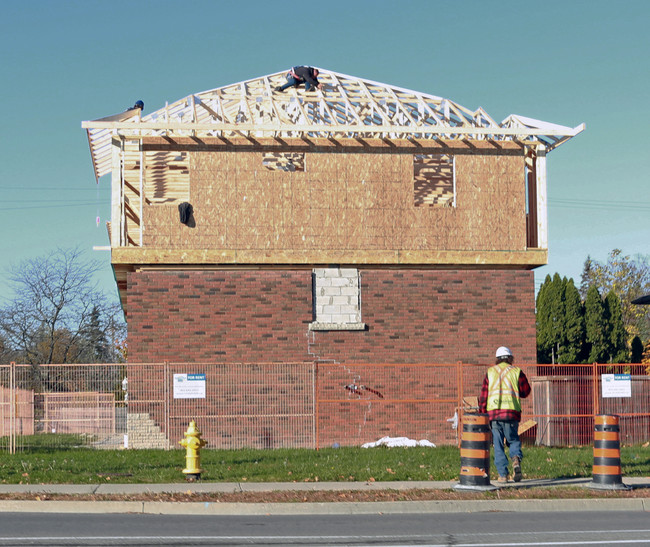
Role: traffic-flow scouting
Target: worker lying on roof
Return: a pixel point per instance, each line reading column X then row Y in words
column 301, row 74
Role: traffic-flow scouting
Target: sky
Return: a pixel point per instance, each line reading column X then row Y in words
column 560, row 61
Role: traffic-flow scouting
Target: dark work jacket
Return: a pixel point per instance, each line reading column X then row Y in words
column 306, row 74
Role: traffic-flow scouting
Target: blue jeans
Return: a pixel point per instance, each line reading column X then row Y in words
column 291, row 81
column 505, row 431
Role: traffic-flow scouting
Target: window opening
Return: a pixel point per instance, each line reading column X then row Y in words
column 434, row 180
column 167, row 177
column 337, row 299
column 284, row 161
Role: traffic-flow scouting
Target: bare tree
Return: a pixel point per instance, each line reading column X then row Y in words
column 56, row 304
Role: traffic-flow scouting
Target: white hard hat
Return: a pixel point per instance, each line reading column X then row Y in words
column 504, row 352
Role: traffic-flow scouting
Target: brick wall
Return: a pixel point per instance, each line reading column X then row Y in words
column 430, row 316
column 222, row 316
column 412, row 316
column 263, row 316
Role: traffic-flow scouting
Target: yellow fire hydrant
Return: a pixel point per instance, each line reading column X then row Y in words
column 193, row 444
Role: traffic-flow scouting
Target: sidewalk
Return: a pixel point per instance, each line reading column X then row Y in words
column 219, row 508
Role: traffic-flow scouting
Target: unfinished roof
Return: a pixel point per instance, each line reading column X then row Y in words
column 346, row 107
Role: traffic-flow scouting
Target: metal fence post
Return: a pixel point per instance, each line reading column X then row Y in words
column 166, row 404
column 594, row 377
column 315, row 402
column 12, row 408
column 460, row 392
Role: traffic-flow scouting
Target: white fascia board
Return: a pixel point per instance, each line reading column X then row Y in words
column 546, row 126
column 428, row 129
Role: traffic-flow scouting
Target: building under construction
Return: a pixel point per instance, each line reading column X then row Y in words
column 359, row 223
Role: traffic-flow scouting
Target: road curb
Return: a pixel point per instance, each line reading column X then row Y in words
column 51, row 506
column 398, row 507
column 330, row 508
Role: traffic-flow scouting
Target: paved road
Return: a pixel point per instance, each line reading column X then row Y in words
column 458, row 529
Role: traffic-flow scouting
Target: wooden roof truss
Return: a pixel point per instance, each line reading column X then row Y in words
column 346, row 107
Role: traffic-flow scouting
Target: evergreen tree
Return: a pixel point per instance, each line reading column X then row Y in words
column 550, row 314
column 586, row 277
column 93, row 339
column 571, row 351
column 596, row 327
column 636, row 350
column 558, row 313
column 544, row 340
column 646, row 357
column 618, row 352
column 560, row 322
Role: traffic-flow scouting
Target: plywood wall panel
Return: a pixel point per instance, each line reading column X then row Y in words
column 343, row 200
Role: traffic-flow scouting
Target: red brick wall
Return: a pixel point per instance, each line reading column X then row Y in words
column 222, row 316
column 428, row 316
column 255, row 405
column 413, row 316
column 362, row 403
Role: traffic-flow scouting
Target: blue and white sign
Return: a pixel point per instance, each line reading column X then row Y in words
column 616, row 385
column 189, row 386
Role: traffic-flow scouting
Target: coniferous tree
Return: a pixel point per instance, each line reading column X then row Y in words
column 636, row 349
column 550, row 317
column 571, row 350
column 542, row 319
column 646, row 357
column 560, row 322
column 586, row 277
column 596, row 327
column 558, row 313
column 95, row 347
column 618, row 352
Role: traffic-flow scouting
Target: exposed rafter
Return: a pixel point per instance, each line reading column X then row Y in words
column 346, row 107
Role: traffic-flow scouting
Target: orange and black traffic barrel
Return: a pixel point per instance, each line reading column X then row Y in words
column 475, row 453
column 607, row 454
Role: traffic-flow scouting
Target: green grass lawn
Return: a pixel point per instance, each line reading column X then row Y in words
column 84, row 465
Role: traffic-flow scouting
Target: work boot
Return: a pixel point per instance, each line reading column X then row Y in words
column 516, row 468
column 502, row 479
column 278, row 88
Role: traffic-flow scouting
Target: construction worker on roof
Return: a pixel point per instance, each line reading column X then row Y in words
column 301, row 74
column 503, row 388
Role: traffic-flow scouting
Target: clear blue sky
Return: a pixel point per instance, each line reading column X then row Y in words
column 561, row 61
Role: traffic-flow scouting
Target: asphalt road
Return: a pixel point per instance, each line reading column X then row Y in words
column 440, row 529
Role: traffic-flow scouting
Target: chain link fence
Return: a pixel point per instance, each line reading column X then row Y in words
column 306, row 404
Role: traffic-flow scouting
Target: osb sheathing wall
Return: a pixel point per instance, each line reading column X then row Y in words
column 347, row 201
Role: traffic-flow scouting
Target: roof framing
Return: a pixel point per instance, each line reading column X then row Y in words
column 347, row 107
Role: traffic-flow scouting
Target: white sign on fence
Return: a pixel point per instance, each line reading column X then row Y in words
column 616, row 385
column 189, row 386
